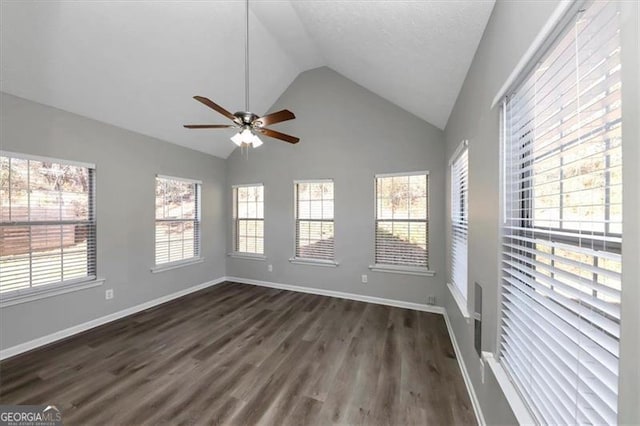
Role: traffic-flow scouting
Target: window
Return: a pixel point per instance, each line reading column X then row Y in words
column 47, row 227
column 177, row 220
column 459, row 219
column 402, row 220
column 561, row 250
column 248, row 214
column 314, row 220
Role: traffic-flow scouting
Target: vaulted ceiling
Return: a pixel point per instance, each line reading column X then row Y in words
column 136, row 64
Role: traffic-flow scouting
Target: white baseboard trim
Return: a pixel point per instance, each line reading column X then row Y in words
column 342, row 295
column 465, row 374
column 68, row 332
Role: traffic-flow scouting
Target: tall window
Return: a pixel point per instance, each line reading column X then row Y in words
column 248, row 215
column 402, row 220
column 459, row 219
column 561, row 252
column 177, row 219
column 314, row 220
column 48, row 226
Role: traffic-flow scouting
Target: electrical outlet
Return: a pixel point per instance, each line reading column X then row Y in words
column 431, row 300
column 270, row 268
column 108, row 294
column 365, row 279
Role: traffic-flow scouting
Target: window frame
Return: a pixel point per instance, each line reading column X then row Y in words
column 310, row 260
column 236, row 220
column 17, row 296
column 459, row 296
column 197, row 226
column 402, row 268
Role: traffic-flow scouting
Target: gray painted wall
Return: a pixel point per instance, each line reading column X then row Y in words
column 391, row 140
column 510, row 31
column 126, row 165
column 347, row 134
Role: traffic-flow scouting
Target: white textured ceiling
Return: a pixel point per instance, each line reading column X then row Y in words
column 415, row 54
column 136, row 64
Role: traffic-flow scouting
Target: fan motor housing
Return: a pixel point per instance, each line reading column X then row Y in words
column 246, row 118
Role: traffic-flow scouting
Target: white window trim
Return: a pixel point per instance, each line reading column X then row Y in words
column 181, row 179
column 461, row 147
column 314, row 262
column 49, row 290
column 247, row 255
column 460, row 301
column 415, row 173
column 517, row 404
column 160, row 267
column 401, row 269
column 177, row 264
column 304, row 260
column 245, row 185
column 22, row 156
column 242, row 254
column 297, row 181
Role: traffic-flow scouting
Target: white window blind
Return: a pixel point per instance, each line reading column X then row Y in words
column 314, row 220
column 402, row 219
column 459, row 220
column 561, row 251
column 248, row 217
column 177, row 219
column 48, row 227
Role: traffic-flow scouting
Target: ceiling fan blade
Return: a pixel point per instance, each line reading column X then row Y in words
column 278, row 135
column 216, row 107
column 274, row 118
column 208, row 126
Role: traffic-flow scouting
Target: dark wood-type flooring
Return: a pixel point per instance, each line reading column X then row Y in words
column 240, row 354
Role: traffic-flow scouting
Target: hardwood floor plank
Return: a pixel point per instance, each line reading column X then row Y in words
column 305, row 412
column 332, row 346
column 371, row 331
column 240, row 354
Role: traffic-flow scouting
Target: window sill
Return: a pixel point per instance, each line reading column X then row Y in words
column 23, row 296
column 174, row 265
column 460, row 301
column 406, row 270
column 517, row 404
column 314, row 262
column 247, row 256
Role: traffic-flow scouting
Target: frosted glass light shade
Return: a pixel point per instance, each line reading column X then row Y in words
column 246, row 136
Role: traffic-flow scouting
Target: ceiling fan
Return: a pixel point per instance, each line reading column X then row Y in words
column 247, row 123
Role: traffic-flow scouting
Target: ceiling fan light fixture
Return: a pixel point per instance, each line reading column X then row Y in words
column 247, row 122
column 246, row 137
column 237, row 139
column 256, row 141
